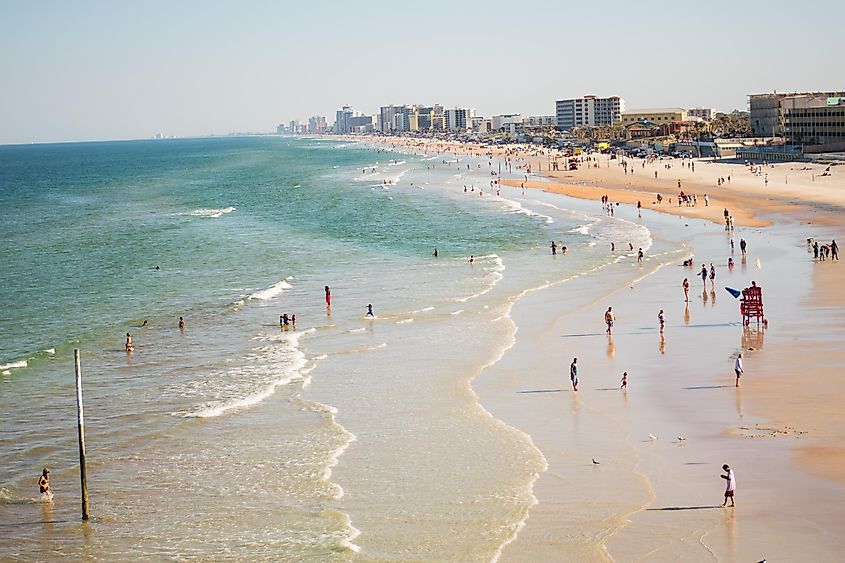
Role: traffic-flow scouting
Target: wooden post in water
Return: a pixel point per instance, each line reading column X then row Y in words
column 83, row 475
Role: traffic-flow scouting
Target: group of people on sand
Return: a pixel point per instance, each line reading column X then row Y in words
column 824, row 251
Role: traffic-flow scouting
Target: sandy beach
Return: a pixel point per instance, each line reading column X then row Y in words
column 781, row 430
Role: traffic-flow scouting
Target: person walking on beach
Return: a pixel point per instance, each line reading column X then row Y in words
column 573, row 373
column 686, row 289
column 712, row 276
column 730, row 486
column 742, row 246
column 703, row 274
column 370, row 310
column 328, row 296
column 661, row 321
column 834, row 250
column 624, row 385
column 738, row 368
column 640, row 255
column 608, row 320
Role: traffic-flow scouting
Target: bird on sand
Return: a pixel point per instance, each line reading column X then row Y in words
column 652, row 437
column 595, row 462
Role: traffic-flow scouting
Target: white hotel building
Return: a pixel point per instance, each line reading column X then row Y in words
column 588, row 111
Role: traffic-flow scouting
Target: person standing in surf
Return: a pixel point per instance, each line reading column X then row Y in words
column 370, row 310
column 328, row 296
column 44, row 485
column 128, row 346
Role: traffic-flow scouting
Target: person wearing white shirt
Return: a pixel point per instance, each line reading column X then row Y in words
column 738, row 368
column 730, row 486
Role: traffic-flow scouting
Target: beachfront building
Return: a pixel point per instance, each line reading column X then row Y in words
column 816, row 120
column 656, row 115
column 507, row 123
column 393, row 119
column 813, row 120
column 539, row 121
column 317, row 125
column 426, row 118
column 481, row 125
column 589, row 111
column 707, row 114
column 459, row 119
column 342, row 118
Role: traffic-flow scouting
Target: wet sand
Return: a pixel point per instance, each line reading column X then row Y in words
column 781, row 430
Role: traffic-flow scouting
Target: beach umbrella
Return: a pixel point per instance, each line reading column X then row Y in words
column 735, row 292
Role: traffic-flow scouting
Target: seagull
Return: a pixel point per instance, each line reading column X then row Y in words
column 595, row 462
column 681, row 438
column 652, row 436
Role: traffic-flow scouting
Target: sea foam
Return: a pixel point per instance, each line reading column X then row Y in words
column 273, row 291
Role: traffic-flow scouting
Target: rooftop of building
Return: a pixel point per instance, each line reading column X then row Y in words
column 653, row 110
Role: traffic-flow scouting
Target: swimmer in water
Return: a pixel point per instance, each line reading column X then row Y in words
column 181, row 323
column 471, row 259
column 128, row 346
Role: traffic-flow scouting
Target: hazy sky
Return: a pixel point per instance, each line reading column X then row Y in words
column 120, row 69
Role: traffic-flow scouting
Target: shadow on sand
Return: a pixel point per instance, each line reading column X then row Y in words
column 672, row 508
column 710, row 387
column 543, row 391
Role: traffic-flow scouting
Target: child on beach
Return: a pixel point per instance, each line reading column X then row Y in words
column 573, row 374
column 730, row 486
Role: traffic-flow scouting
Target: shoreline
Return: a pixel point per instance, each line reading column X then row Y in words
column 802, row 443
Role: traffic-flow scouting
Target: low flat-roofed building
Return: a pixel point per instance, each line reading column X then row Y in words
column 659, row 116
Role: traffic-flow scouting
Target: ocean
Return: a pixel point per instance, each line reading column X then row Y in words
column 340, row 438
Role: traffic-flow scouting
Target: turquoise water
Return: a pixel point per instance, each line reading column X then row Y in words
column 320, row 441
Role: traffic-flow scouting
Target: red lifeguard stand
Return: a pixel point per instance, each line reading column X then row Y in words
column 751, row 305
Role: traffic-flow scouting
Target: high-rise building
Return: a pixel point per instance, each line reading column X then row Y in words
column 393, row 119
column 458, row 119
column 342, row 120
column 317, row 125
column 588, row 111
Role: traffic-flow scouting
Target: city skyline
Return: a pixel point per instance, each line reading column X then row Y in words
column 94, row 70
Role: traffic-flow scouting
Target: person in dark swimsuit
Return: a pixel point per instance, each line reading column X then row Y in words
column 44, row 483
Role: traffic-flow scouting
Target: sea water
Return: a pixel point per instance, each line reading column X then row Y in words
column 342, row 437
